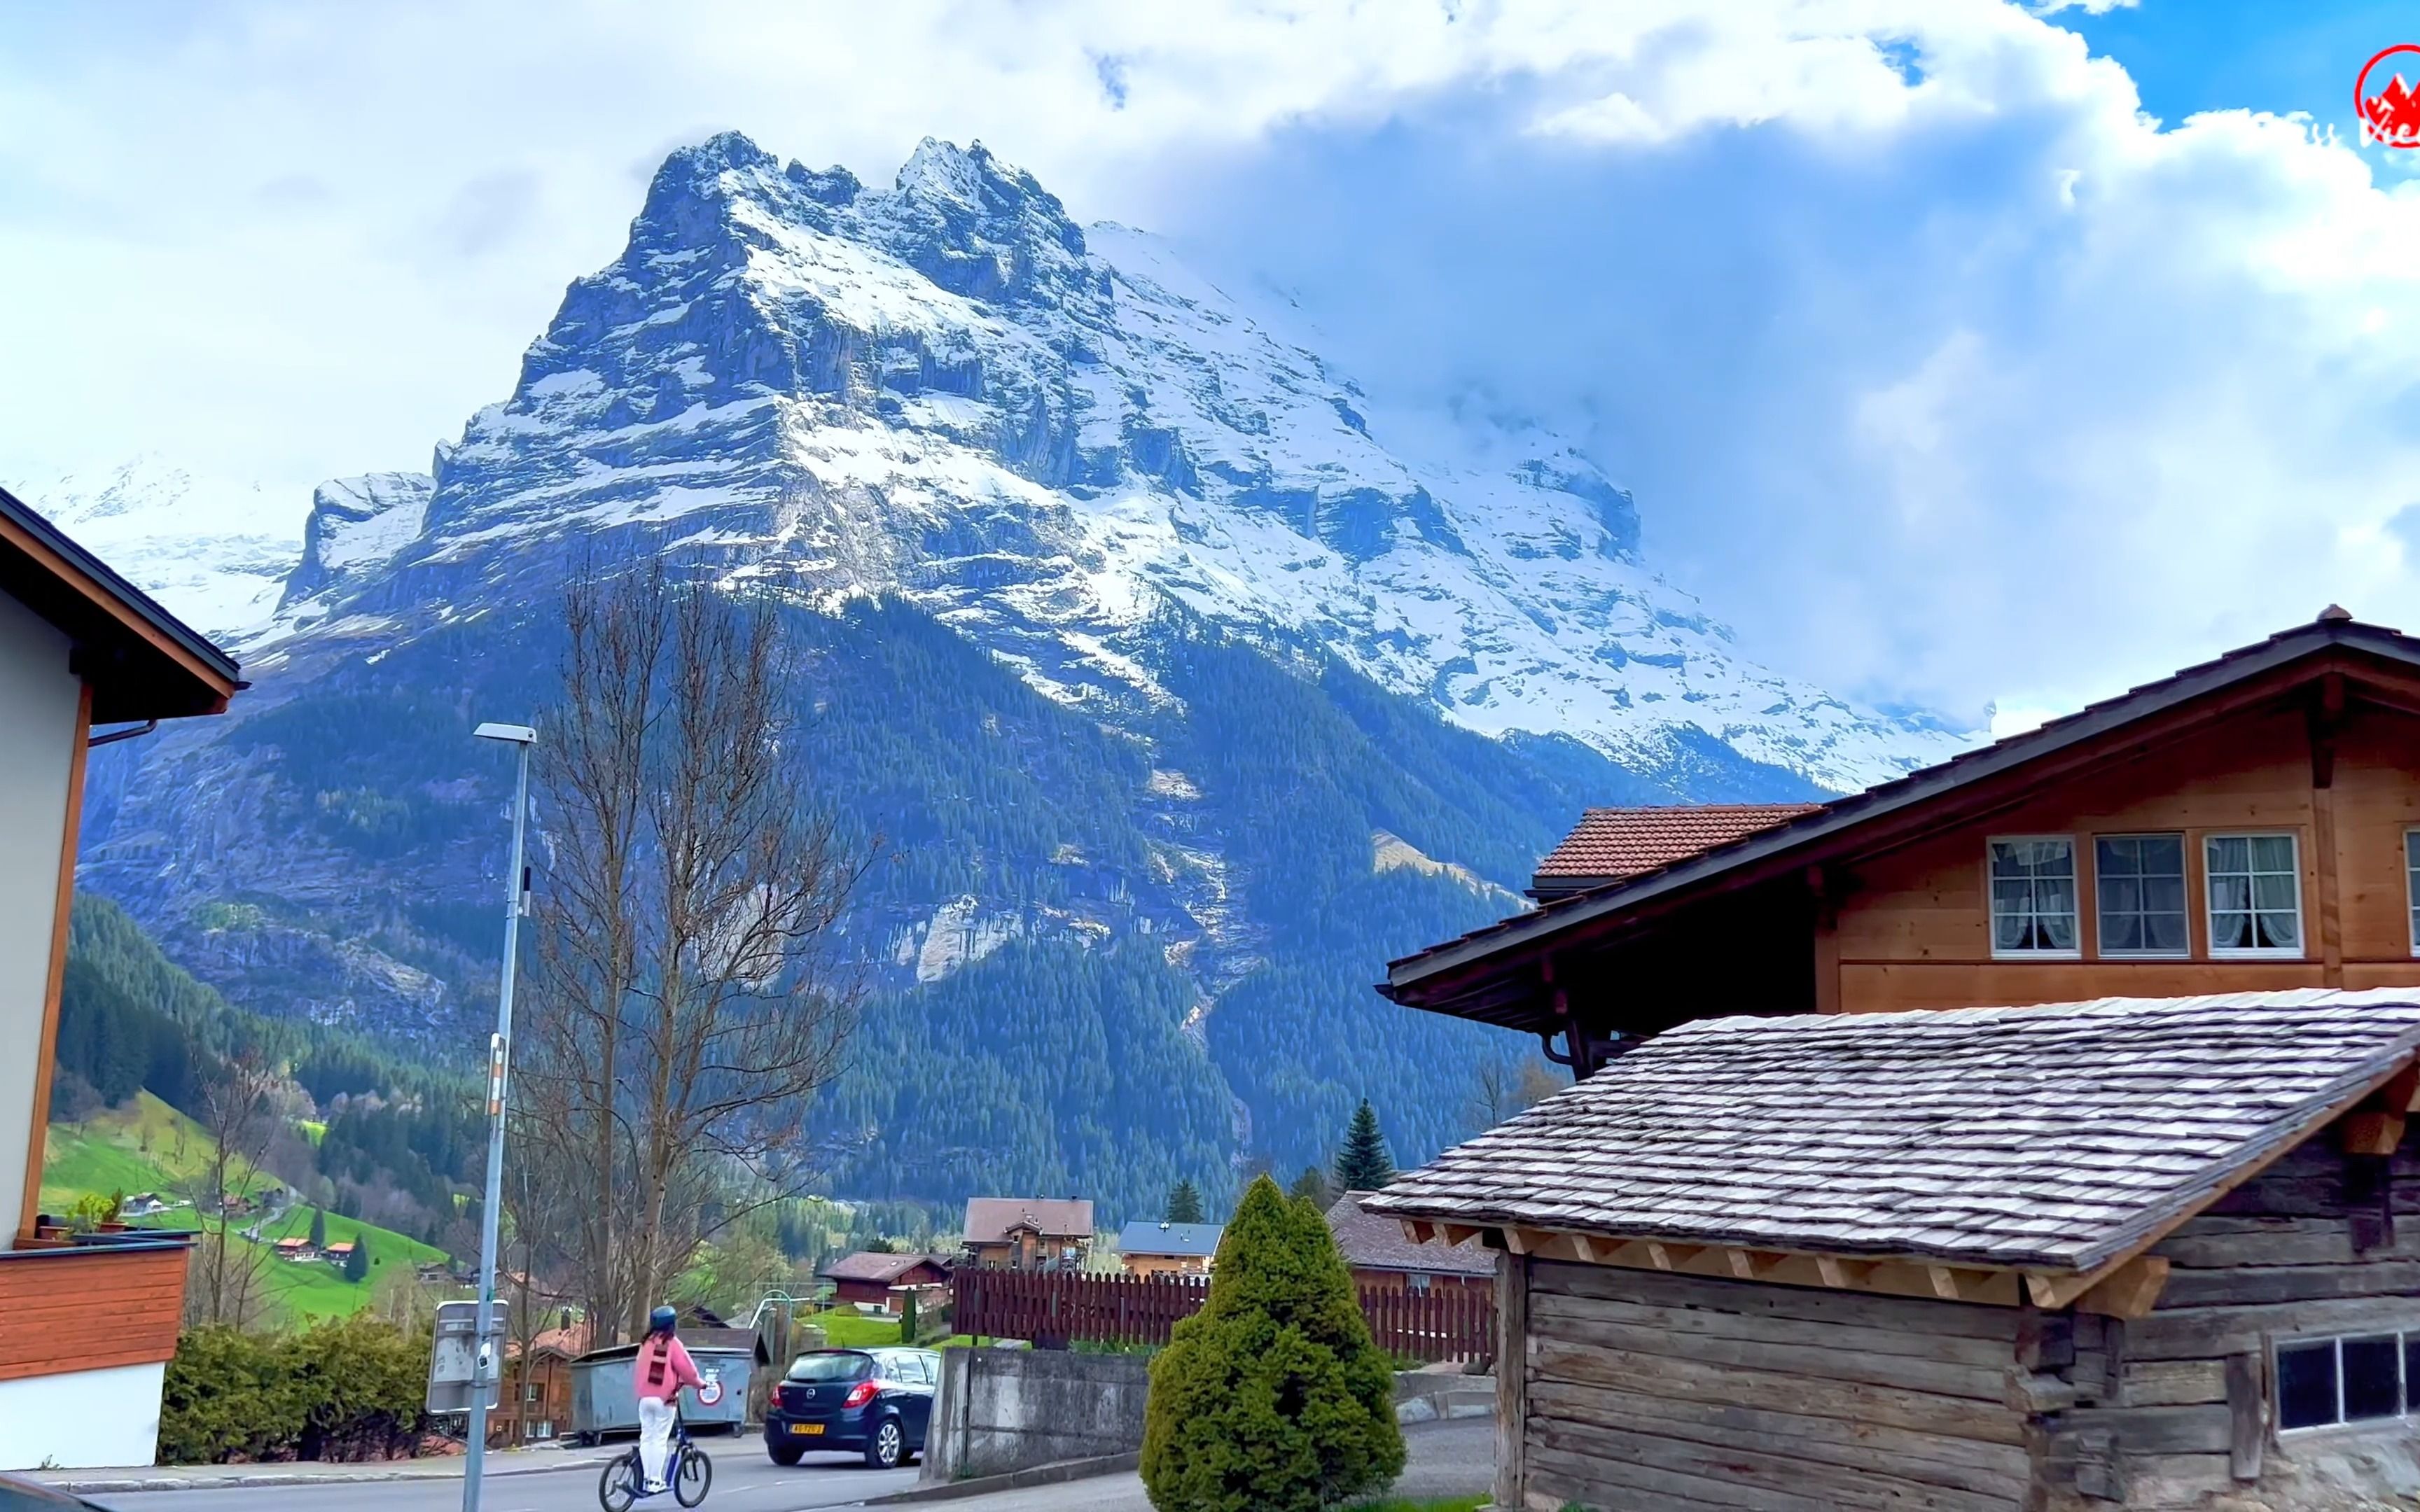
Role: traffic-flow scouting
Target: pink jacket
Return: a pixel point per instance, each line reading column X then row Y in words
column 661, row 1369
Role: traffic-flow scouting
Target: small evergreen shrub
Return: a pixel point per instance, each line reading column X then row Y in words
column 1271, row 1398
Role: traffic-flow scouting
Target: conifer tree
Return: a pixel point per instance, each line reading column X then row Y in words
column 1311, row 1186
column 1184, row 1205
column 1363, row 1165
column 357, row 1264
column 1272, row 1398
column 318, row 1230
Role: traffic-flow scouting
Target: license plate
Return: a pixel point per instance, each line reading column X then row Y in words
column 806, row 1428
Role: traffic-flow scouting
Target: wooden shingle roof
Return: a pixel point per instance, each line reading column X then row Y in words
column 2048, row 1138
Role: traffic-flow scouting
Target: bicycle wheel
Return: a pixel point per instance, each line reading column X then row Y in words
column 694, row 1476
column 618, row 1486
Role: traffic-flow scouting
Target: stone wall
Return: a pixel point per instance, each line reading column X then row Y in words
column 1001, row 1410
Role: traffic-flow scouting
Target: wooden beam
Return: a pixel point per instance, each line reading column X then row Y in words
column 2371, row 1132
column 1945, row 1282
column 62, row 903
column 1460, row 1233
column 2133, row 1292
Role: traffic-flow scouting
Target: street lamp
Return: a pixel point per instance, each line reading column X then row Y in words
column 489, row 1370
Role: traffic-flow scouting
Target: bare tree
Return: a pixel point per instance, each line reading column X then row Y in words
column 686, row 1005
column 239, row 1113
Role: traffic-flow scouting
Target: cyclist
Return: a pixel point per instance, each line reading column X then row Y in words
column 661, row 1369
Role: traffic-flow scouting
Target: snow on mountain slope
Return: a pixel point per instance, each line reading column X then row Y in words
column 202, row 551
column 1049, row 437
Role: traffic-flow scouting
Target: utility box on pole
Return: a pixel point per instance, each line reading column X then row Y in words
column 454, row 1361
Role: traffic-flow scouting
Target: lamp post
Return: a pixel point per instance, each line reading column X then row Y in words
column 489, row 1370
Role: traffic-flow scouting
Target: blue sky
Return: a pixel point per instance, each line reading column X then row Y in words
column 1958, row 354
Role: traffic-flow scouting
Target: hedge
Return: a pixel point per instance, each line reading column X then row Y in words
column 350, row 1389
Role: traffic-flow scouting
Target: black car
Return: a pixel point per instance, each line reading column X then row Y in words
column 27, row 1496
column 875, row 1402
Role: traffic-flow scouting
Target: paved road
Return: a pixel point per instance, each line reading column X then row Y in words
column 744, row 1481
column 1455, row 1459
column 1447, row 1459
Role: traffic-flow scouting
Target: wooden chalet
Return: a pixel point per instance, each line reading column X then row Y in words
column 876, row 1277
column 2249, row 823
column 2142, row 1253
column 1382, row 1258
column 1029, row 1233
column 1148, row 1248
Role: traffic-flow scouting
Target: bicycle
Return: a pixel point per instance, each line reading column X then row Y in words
column 690, row 1475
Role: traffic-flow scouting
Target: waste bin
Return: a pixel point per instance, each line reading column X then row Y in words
column 604, row 1403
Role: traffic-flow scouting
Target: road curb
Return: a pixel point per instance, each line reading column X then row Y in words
column 341, row 1477
column 1015, row 1480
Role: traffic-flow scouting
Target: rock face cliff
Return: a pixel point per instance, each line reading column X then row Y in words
column 1183, row 692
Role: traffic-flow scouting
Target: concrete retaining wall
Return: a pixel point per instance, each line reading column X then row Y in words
column 1001, row 1410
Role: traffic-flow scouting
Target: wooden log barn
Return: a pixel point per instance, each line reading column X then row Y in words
column 2129, row 1253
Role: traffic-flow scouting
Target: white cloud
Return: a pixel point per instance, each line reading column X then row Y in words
column 1938, row 366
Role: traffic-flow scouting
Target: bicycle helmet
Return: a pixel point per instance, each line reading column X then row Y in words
column 662, row 1321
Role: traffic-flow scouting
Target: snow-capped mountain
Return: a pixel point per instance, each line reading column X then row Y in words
column 209, row 553
column 1044, row 433
column 1183, row 690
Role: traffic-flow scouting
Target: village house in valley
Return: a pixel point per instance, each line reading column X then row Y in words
column 1148, row 1248
column 1029, row 1233
column 876, row 1278
column 90, row 1325
column 2132, row 1252
column 2249, row 823
column 1384, row 1258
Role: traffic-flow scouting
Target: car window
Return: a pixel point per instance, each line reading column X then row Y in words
column 841, row 1364
column 909, row 1365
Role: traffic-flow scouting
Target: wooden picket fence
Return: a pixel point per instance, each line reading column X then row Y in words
column 1054, row 1308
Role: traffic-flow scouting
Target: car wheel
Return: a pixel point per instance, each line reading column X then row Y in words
column 887, row 1448
column 784, row 1454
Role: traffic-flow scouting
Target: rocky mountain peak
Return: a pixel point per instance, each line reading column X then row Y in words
column 981, row 228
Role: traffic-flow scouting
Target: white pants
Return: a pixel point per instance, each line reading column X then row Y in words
column 655, row 1438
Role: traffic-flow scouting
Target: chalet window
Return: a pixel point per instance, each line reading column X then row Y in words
column 2362, row 1378
column 2033, row 896
column 2139, row 881
column 2256, row 895
column 2412, row 882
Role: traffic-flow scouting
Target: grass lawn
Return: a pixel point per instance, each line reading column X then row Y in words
column 845, row 1329
column 311, row 1292
column 1466, row 1503
column 146, row 1146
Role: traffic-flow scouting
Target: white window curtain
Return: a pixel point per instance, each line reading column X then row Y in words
column 2033, row 896
column 2256, row 893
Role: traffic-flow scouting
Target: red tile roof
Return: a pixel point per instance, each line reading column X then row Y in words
column 1611, row 844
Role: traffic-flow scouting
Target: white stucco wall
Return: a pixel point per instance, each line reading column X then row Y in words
column 38, row 715
column 84, row 1420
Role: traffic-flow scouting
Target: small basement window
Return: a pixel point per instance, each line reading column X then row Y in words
column 2033, row 896
column 2256, row 895
column 2358, row 1377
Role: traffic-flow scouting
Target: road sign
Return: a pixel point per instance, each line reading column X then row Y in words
column 456, row 1360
